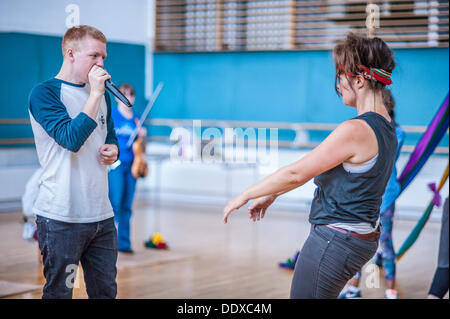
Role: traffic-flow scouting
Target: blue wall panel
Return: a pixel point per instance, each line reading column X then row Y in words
column 288, row 86
column 255, row 86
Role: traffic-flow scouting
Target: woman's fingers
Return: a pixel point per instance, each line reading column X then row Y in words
column 234, row 204
column 255, row 214
column 227, row 211
column 253, row 205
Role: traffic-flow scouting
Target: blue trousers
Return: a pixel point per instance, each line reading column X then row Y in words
column 122, row 186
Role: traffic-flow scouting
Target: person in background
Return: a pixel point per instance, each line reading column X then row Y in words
column 28, row 198
column 440, row 284
column 122, row 183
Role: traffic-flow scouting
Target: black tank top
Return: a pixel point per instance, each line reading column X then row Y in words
column 343, row 197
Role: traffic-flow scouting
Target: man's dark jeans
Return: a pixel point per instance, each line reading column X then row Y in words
column 64, row 245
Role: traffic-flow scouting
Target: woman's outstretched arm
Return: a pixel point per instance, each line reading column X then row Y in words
column 342, row 144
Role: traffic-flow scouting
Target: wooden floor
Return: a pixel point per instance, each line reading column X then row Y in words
column 237, row 260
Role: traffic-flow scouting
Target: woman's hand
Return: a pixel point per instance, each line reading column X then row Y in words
column 257, row 209
column 234, row 204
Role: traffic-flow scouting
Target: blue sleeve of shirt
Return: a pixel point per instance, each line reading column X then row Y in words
column 48, row 110
column 400, row 139
column 111, row 137
column 393, row 187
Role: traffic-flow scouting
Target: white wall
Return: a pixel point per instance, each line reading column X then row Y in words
column 214, row 184
column 119, row 20
column 201, row 183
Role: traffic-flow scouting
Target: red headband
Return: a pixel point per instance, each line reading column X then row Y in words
column 371, row 73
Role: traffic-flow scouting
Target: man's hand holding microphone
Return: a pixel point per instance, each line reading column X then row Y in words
column 97, row 76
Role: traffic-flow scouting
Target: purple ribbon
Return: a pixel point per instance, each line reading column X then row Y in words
column 437, row 197
column 425, row 140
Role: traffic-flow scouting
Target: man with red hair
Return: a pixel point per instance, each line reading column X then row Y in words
column 75, row 142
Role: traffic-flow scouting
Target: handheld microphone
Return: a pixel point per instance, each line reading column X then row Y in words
column 115, row 91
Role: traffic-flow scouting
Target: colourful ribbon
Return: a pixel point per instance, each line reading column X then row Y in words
column 437, row 197
column 427, row 144
column 379, row 75
column 376, row 74
column 412, row 237
column 425, row 147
